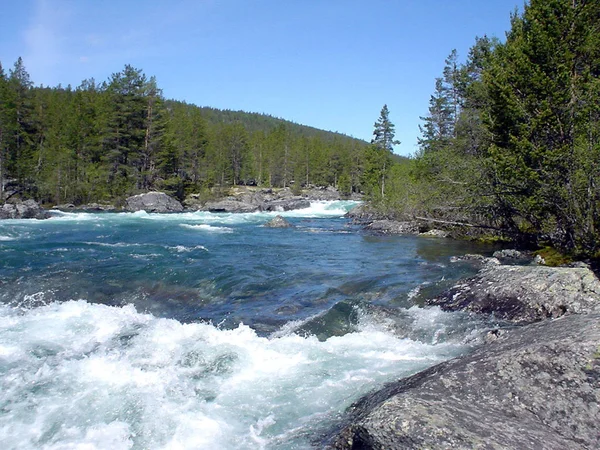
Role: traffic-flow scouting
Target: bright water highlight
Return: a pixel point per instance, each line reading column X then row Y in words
column 204, row 331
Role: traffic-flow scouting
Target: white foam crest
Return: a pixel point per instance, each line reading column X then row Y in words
column 184, row 249
column 80, row 375
column 208, row 228
column 63, row 216
column 7, row 238
column 325, row 208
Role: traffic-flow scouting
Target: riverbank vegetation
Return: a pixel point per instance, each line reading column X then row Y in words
column 512, row 138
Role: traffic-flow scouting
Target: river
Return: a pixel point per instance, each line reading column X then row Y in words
column 210, row 331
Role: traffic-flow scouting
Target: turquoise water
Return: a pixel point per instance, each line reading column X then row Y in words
column 200, row 330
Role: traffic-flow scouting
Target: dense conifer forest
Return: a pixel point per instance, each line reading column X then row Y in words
column 512, row 137
column 104, row 141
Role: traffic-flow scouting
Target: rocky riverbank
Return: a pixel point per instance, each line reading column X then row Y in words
column 240, row 199
column 531, row 386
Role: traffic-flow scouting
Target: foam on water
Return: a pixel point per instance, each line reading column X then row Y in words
column 81, row 375
column 208, row 228
column 317, row 209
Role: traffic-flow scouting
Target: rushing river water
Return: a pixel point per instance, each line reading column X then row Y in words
column 210, row 331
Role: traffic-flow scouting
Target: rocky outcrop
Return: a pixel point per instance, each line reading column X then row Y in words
column 287, row 204
column 278, row 222
column 27, row 209
column 230, row 206
column 524, row 294
column 364, row 214
column 533, row 387
column 393, row 227
column 153, row 202
column 247, row 200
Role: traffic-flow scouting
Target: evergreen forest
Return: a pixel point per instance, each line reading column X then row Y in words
column 101, row 142
column 511, row 141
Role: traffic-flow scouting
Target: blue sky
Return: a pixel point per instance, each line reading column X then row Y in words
column 331, row 64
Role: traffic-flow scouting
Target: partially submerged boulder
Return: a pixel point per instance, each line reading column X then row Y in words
column 28, row 209
column 524, row 294
column 533, row 387
column 153, row 202
column 278, row 222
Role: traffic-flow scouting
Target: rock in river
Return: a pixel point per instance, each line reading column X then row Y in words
column 153, row 202
column 28, row 209
column 535, row 387
column 278, row 222
column 524, row 294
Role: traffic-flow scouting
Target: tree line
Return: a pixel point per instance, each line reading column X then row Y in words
column 512, row 135
column 105, row 141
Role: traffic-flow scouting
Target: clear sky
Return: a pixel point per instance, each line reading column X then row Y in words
column 331, row 64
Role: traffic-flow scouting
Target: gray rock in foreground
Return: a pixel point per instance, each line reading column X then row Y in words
column 278, row 222
column 524, row 294
column 153, row 202
column 28, row 209
column 534, row 387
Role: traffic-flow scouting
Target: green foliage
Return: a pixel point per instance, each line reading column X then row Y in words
column 512, row 137
column 553, row 257
column 103, row 142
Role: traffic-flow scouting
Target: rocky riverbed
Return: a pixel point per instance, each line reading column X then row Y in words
column 531, row 386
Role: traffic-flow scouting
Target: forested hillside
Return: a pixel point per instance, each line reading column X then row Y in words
column 105, row 141
column 512, row 138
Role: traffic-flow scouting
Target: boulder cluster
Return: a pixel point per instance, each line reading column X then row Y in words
column 535, row 383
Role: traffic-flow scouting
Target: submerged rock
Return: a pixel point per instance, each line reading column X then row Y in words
column 533, row 387
column 28, row 209
column 278, row 222
column 153, row 202
column 524, row 294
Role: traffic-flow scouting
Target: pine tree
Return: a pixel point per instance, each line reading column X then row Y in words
column 378, row 158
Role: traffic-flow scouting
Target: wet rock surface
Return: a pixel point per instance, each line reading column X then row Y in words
column 153, row 202
column 278, row 222
column 524, row 294
column 533, row 387
column 530, row 386
column 28, row 209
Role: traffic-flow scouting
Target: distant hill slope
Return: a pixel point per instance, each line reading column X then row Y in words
column 265, row 122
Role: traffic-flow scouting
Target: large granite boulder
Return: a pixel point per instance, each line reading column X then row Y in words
column 153, row 202
column 534, row 387
column 27, row 209
column 524, row 294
